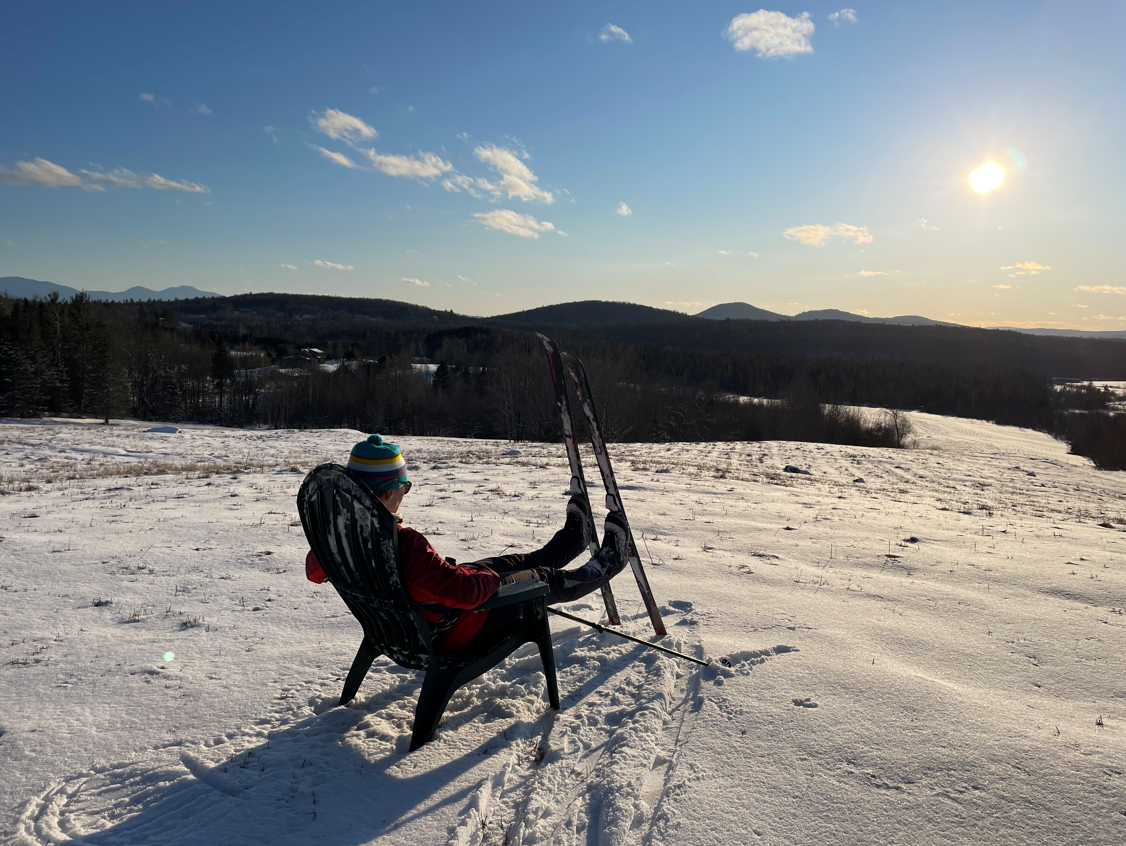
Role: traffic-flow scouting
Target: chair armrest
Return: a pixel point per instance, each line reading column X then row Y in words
column 514, row 593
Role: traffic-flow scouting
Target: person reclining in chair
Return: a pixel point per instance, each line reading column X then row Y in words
column 462, row 587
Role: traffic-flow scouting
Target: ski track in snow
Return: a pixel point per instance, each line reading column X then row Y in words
column 931, row 655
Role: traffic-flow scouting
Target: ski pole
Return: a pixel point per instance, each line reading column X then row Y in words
column 601, row 628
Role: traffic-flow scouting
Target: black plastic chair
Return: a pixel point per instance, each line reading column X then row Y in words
column 356, row 541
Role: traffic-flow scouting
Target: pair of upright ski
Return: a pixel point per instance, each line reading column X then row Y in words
column 558, row 361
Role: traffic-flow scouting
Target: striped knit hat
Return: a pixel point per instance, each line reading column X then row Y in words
column 378, row 465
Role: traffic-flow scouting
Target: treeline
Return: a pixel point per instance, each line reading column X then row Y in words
column 243, row 367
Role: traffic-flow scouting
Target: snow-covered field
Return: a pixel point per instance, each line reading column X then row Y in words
column 935, row 654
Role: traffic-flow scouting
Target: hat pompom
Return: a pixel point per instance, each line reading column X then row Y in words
column 375, row 439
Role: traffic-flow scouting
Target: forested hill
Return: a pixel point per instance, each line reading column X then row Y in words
column 318, row 320
column 1082, row 358
column 587, row 313
column 311, row 307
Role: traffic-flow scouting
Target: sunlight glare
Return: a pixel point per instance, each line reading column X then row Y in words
column 987, row 177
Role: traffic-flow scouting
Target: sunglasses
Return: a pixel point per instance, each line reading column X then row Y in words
column 406, row 487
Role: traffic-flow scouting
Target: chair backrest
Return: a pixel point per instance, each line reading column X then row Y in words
column 356, row 541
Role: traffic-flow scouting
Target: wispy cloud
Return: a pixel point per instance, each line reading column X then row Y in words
column 857, row 234
column 515, row 223
column 410, row 280
column 875, row 273
column 1026, row 268
column 738, row 253
column 330, row 264
column 456, row 182
column 1102, row 289
column 201, row 109
column 148, row 98
column 926, row 224
column 816, row 233
column 624, row 210
column 516, row 178
column 289, row 266
column 614, row 33
column 771, row 34
column 155, row 180
column 341, row 126
column 844, row 16
column 273, row 132
column 1004, row 287
column 51, row 175
column 422, row 165
column 337, row 158
column 118, row 178
column 39, row 172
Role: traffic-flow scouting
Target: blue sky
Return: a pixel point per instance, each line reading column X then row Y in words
column 477, row 156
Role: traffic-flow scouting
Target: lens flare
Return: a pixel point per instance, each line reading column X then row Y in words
column 168, row 656
column 987, row 177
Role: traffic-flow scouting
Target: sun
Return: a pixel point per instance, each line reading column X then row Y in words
column 987, row 177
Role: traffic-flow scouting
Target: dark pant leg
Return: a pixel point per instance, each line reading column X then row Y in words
column 564, row 547
column 546, row 565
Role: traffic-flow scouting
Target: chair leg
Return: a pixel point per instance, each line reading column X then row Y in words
column 547, row 654
column 360, row 666
column 437, row 688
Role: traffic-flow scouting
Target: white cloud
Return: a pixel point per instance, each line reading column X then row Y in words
column 337, row 158
column 117, row 178
column 148, row 98
column 770, row 34
column 457, row 182
column 614, row 33
column 419, row 166
column 123, row 178
column 272, row 130
column 515, row 223
column 858, row 234
column 417, row 282
column 816, row 233
column 463, row 279
column 39, row 172
column 738, row 253
column 1004, row 287
column 1101, row 289
column 341, row 126
column 846, row 15
column 1026, row 268
column 875, row 273
column 330, row 264
column 289, row 266
column 624, row 210
column 516, row 178
column 926, row 224
column 201, row 109
column 155, row 180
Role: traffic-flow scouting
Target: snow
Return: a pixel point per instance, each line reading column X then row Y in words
column 933, row 656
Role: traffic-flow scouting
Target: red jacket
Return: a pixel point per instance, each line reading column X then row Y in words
column 430, row 578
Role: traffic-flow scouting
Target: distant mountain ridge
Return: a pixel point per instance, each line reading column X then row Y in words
column 21, row 288
column 745, row 311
